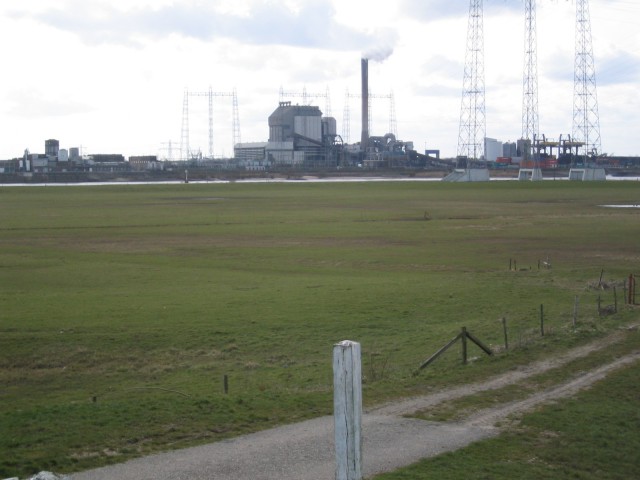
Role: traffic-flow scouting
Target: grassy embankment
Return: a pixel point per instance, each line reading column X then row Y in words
column 142, row 297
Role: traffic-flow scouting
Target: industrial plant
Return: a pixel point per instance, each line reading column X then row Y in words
column 299, row 135
column 303, row 137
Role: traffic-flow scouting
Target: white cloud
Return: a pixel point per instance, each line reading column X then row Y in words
column 30, row 103
column 305, row 24
column 110, row 75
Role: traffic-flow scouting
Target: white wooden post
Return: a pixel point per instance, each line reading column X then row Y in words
column 347, row 406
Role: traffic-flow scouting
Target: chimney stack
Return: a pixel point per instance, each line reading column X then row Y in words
column 364, row 140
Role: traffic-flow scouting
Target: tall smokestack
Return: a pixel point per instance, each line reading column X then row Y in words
column 364, row 140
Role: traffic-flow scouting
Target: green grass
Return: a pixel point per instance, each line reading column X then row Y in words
column 460, row 408
column 144, row 297
column 591, row 436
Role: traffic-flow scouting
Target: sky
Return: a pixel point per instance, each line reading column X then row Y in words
column 109, row 76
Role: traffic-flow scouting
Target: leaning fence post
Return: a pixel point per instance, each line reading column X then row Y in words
column 347, row 406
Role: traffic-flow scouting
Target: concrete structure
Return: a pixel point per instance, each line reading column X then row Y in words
column 468, row 175
column 364, row 137
column 587, row 174
column 531, row 174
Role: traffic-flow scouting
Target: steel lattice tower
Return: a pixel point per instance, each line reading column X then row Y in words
column 327, row 103
column 210, row 94
column 346, row 118
column 236, row 120
column 393, row 123
column 184, row 135
column 346, row 112
column 586, row 123
column 530, row 119
column 472, row 112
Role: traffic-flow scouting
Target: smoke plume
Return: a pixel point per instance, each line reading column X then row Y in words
column 378, row 54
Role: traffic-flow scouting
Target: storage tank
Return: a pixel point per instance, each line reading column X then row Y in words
column 51, row 147
column 329, row 127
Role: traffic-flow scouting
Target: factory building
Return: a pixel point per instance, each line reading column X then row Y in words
column 298, row 135
column 492, row 149
column 509, row 149
column 51, row 148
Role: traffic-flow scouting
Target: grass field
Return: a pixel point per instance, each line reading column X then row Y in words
column 124, row 306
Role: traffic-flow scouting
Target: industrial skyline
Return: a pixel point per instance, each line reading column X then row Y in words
column 110, row 76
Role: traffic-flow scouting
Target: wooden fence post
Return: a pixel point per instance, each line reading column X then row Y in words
column 347, row 406
column 463, row 337
column 542, row 320
column 575, row 311
column 625, row 291
column 504, row 327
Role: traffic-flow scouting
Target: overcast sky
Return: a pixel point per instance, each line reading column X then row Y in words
column 109, row 75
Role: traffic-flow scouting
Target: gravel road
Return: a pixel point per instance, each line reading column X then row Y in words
column 304, row 451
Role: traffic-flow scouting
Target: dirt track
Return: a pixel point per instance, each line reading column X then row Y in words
column 412, row 405
column 304, row 451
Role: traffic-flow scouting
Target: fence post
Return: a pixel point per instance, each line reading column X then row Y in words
column 542, row 320
column 504, row 327
column 625, row 291
column 347, row 406
column 575, row 311
column 463, row 337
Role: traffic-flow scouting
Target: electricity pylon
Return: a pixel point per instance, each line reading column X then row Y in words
column 586, row 122
column 530, row 119
column 472, row 112
column 210, row 94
